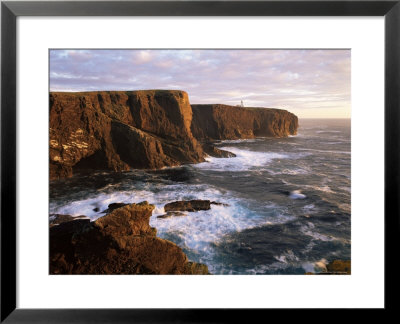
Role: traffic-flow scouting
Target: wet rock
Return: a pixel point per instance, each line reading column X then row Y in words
column 188, row 205
column 121, row 242
column 219, row 204
column 216, row 152
column 56, row 219
column 171, row 214
column 113, row 206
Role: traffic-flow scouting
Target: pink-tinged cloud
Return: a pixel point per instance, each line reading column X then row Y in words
column 311, row 83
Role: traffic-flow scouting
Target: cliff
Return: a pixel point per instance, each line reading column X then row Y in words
column 147, row 129
column 120, row 130
column 221, row 122
column 122, row 242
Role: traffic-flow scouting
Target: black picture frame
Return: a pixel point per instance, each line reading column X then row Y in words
column 10, row 10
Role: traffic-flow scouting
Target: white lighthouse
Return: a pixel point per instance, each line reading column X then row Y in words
column 241, row 104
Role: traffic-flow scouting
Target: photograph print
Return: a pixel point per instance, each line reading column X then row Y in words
column 203, row 162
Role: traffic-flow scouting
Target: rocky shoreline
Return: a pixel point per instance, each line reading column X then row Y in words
column 121, row 242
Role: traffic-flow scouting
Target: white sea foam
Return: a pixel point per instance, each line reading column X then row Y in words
column 296, row 171
column 287, row 257
column 324, row 151
column 323, row 189
column 308, row 230
column 348, row 189
column 245, row 160
column 320, row 265
column 238, row 141
column 296, row 194
column 345, row 207
column 327, row 131
column 196, row 231
column 87, row 206
column 315, row 267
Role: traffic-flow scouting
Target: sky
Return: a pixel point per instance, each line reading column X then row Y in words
column 308, row 83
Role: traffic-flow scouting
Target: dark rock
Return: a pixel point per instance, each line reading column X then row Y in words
column 216, row 152
column 121, row 242
column 96, row 209
column 113, row 206
column 219, row 204
column 172, row 214
column 188, row 205
column 56, row 219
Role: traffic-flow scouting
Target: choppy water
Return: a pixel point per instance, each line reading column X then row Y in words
column 289, row 201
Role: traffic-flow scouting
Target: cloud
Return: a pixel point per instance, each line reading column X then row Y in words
column 290, row 79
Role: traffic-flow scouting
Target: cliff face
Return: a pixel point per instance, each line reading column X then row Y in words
column 121, row 242
column 120, row 130
column 219, row 122
column 148, row 129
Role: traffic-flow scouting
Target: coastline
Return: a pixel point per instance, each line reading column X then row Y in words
column 154, row 150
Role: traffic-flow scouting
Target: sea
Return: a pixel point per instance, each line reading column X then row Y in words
column 286, row 202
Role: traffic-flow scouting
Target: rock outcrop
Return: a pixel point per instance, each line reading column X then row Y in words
column 56, row 219
column 339, row 267
column 121, row 242
column 335, row 267
column 120, row 130
column 191, row 205
column 211, row 150
column 222, row 122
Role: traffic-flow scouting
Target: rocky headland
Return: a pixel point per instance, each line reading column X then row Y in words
column 121, row 242
column 222, row 122
column 148, row 129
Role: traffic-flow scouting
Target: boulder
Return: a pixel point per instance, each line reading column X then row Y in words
column 172, row 214
column 111, row 207
column 190, row 206
column 216, row 152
